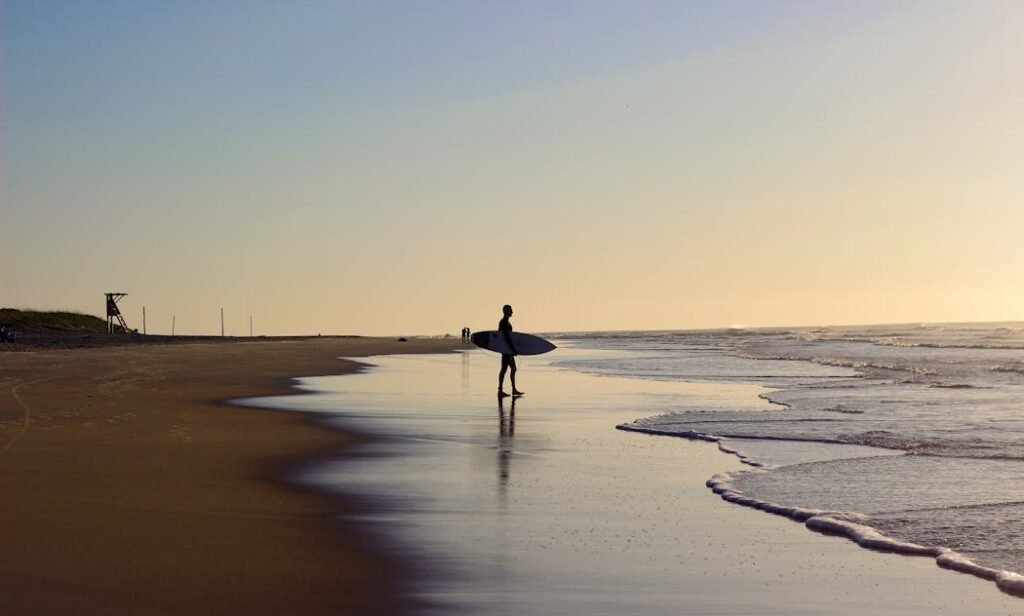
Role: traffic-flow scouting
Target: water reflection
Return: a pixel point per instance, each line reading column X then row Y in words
column 506, row 431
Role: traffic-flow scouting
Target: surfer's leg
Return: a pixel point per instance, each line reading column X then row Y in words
column 512, row 376
column 505, row 359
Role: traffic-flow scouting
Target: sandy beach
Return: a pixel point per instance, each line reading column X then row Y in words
column 129, row 487
column 135, row 481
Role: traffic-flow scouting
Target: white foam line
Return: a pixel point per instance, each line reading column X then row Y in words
column 836, row 522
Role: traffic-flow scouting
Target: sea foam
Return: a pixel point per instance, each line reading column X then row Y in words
column 845, row 523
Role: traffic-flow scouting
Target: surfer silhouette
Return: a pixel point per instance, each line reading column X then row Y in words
column 508, row 360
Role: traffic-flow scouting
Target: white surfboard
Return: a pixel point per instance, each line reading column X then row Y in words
column 526, row 344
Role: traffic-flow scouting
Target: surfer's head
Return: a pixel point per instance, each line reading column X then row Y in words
column 507, row 310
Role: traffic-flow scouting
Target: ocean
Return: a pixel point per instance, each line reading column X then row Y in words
column 907, row 438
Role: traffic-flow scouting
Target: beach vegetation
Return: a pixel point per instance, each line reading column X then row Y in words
column 58, row 320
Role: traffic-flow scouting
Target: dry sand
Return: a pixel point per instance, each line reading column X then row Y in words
column 129, row 487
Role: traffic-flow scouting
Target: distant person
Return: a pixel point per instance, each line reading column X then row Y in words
column 469, row 335
column 508, row 360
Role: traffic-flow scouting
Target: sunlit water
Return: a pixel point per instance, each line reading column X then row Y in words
column 540, row 506
column 919, row 428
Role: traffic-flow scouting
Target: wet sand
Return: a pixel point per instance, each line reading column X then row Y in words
column 129, row 487
column 546, row 508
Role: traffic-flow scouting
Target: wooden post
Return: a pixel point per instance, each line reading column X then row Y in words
column 143, row 320
column 222, row 322
column 174, row 318
column 250, row 326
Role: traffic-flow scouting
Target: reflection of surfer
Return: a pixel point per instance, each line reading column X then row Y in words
column 506, row 431
column 506, row 423
column 508, row 360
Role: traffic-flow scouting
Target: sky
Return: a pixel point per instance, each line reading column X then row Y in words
column 394, row 168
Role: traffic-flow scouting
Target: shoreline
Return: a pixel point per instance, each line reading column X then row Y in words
column 546, row 508
column 195, row 499
column 836, row 523
column 131, row 483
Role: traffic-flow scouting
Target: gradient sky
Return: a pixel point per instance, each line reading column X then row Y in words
column 409, row 167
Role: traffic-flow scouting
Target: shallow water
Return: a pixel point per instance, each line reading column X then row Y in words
column 547, row 509
column 948, row 398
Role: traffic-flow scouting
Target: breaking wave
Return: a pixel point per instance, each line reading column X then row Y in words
column 932, row 410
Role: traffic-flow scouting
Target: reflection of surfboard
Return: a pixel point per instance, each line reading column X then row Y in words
column 526, row 344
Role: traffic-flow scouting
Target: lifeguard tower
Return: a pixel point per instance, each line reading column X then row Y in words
column 114, row 313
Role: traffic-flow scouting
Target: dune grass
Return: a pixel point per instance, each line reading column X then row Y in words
column 34, row 319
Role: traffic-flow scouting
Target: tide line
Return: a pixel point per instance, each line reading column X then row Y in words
column 847, row 524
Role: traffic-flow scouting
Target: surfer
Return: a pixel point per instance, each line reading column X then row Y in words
column 508, row 360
